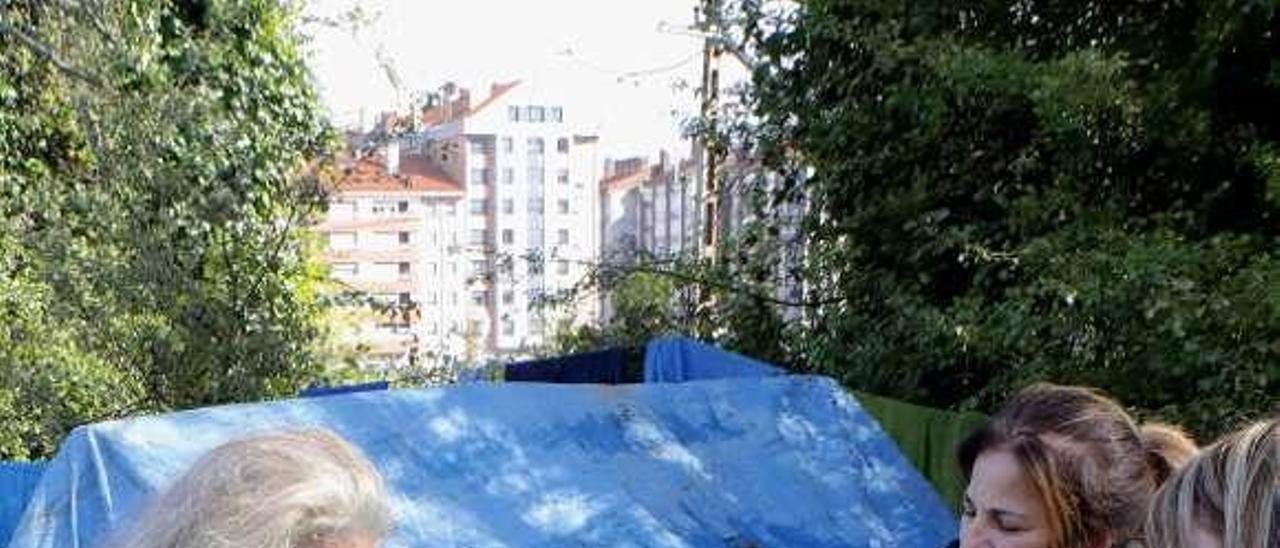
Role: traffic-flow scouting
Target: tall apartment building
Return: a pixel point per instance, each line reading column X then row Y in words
column 649, row 209
column 657, row 210
column 470, row 219
column 390, row 230
column 528, row 214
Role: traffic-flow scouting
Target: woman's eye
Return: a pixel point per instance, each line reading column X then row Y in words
column 1010, row 528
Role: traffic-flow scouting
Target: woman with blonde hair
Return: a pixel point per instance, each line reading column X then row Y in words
column 305, row 489
column 1062, row 467
column 1228, row 496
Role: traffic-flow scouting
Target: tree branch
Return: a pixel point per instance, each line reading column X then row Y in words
column 44, row 51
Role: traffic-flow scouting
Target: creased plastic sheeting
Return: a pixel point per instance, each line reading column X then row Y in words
column 680, row 359
column 785, row 461
column 17, row 481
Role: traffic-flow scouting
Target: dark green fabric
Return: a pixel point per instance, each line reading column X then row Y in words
column 928, row 437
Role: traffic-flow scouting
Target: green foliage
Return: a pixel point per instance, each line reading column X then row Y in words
column 157, row 170
column 1003, row 192
column 993, row 194
column 641, row 305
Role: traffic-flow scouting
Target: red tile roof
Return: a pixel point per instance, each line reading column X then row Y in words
column 416, row 175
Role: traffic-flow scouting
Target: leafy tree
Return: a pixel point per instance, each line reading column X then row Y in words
column 158, row 164
column 1002, row 192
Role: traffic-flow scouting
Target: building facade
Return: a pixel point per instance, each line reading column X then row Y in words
column 649, row 209
column 390, row 230
column 527, row 215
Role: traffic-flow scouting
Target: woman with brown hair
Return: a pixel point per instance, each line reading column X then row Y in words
column 1062, row 467
column 1228, row 496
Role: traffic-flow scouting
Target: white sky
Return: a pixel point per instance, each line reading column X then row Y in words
column 477, row 42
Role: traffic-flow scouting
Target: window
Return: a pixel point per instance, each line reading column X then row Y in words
column 452, row 208
column 508, row 297
column 434, row 329
column 339, row 209
column 562, row 206
column 433, row 269
column 404, row 237
column 479, row 298
column 344, row 271
column 562, row 266
column 509, row 236
column 508, row 206
column 404, row 298
column 562, row 176
column 479, row 236
column 480, row 207
column 453, row 269
column 341, row 241
column 479, row 176
column 535, row 145
column 392, row 327
column 562, row 236
column 508, row 328
column 402, row 206
column 513, row 113
column 535, row 114
column 562, row 145
column 508, row 144
column 383, row 207
column 478, row 267
column 508, row 175
column 536, row 205
column 536, row 175
column 481, row 146
column 403, row 269
column 453, row 299
column 557, row 114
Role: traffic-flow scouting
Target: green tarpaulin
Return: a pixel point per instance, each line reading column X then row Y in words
column 928, row 437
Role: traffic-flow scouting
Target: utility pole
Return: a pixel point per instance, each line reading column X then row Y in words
column 710, row 151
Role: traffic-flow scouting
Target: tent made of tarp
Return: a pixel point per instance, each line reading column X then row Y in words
column 781, row 461
column 17, row 481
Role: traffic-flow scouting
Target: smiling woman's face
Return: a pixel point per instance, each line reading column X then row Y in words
column 1002, row 509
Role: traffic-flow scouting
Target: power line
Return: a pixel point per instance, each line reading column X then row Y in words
column 622, row 75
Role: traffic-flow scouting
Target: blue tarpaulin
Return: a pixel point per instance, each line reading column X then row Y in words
column 680, row 359
column 17, row 481
column 782, row 461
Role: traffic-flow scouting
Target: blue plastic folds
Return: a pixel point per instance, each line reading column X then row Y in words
column 780, row 462
column 17, row 481
column 680, row 359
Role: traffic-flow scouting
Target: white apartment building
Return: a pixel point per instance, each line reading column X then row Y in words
column 392, row 229
column 528, row 215
column 649, row 209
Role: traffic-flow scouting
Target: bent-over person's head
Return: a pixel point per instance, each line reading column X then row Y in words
column 304, row 489
column 1228, row 496
column 1062, row 467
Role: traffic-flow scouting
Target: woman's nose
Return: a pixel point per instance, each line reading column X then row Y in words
column 973, row 536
